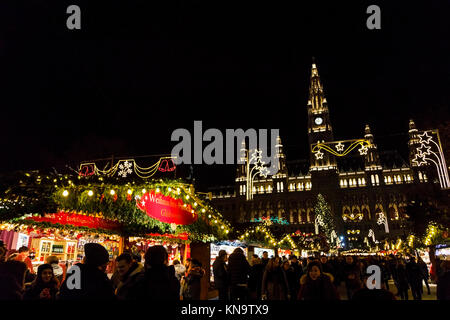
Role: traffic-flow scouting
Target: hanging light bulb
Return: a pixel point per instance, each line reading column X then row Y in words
column 90, row 193
column 112, row 192
column 65, row 193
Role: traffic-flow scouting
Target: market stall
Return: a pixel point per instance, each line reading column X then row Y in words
column 119, row 214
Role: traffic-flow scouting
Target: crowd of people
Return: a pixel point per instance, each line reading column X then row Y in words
column 150, row 277
column 317, row 278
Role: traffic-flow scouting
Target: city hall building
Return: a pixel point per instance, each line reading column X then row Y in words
column 359, row 187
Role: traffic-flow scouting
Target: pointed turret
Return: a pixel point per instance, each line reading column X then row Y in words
column 372, row 159
column 280, row 158
column 243, row 157
column 413, row 142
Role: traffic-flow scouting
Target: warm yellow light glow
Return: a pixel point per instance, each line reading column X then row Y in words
column 112, row 192
column 65, row 193
column 129, row 191
column 90, row 193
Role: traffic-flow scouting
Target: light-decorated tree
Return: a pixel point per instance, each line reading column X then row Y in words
column 325, row 218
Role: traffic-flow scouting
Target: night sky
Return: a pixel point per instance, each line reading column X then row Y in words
column 136, row 71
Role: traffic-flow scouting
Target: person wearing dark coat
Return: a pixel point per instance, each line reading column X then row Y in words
column 327, row 266
column 221, row 275
column 275, row 284
column 415, row 278
column 352, row 275
column 443, row 282
column 45, row 286
column 128, row 271
column 366, row 294
column 298, row 272
column 94, row 283
column 159, row 281
column 255, row 278
column 292, row 281
column 425, row 274
column 238, row 271
column 192, row 282
column 316, row 285
column 12, row 280
column 402, row 280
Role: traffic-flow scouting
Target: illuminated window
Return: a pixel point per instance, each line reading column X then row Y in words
column 359, row 181
column 261, row 189
column 372, row 179
column 363, row 181
column 377, row 180
column 269, row 189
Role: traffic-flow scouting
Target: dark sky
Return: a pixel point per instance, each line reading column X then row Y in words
column 137, row 70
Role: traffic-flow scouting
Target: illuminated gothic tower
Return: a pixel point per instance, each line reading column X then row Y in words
column 372, row 159
column 241, row 171
column 319, row 124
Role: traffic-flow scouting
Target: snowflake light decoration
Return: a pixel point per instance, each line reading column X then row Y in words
column 125, row 169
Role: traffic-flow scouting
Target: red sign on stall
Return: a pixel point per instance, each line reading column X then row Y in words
column 166, row 209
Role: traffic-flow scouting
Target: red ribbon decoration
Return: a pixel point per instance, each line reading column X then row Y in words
column 166, row 209
column 78, row 220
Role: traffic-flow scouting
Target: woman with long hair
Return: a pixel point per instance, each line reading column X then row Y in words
column 317, row 285
column 275, row 284
column 45, row 286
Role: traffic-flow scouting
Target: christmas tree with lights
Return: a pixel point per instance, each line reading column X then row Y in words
column 325, row 219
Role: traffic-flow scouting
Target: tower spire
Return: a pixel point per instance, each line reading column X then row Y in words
column 316, row 94
column 319, row 124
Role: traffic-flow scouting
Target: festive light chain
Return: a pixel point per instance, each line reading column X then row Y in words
column 129, row 190
column 215, row 218
column 352, row 216
column 124, row 168
column 325, row 146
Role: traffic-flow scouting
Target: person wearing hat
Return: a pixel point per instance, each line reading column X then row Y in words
column 94, row 283
column 221, row 275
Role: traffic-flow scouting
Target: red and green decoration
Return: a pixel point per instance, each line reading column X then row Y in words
column 176, row 208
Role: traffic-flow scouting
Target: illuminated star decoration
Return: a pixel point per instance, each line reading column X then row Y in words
column 425, row 138
column 257, row 155
column 319, row 155
column 339, row 147
column 424, row 149
column 264, row 172
column 420, row 156
column 363, row 150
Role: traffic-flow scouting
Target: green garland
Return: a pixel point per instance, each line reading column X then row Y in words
column 33, row 193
